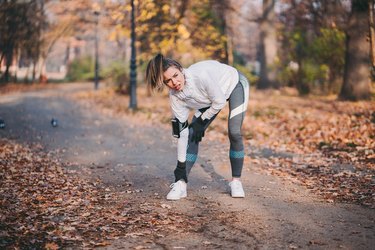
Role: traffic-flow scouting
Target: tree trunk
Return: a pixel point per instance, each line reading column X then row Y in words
column 372, row 32
column 8, row 63
column 16, row 64
column 230, row 50
column 268, row 47
column 356, row 84
column 26, row 79
column 42, row 70
column 34, row 73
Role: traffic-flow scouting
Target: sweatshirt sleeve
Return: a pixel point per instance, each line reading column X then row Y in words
column 179, row 108
column 181, row 112
column 182, row 144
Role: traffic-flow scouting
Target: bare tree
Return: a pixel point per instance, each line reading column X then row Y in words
column 356, row 84
column 268, row 46
column 372, row 32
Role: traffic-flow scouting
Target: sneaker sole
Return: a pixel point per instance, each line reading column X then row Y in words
column 176, row 199
column 238, row 196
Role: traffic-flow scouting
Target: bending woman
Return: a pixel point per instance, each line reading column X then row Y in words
column 205, row 87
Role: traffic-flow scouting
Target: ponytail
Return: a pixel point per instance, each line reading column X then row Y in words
column 155, row 69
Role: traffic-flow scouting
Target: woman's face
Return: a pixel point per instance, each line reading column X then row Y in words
column 174, row 78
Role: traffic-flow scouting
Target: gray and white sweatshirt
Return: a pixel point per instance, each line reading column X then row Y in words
column 207, row 84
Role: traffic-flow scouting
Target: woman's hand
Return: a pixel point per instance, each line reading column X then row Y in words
column 198, row 129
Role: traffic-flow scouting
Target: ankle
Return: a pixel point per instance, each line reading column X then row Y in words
column 182, row 181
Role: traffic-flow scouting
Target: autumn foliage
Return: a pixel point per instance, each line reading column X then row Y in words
column 324, row 144
column 44, row 205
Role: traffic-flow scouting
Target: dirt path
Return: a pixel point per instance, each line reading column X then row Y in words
column 276, row 214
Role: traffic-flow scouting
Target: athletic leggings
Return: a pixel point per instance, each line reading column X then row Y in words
column 238, row 101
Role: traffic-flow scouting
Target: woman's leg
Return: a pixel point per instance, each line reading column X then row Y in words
column 238, row 102
column 183, row 169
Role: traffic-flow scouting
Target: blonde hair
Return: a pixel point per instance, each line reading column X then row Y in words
column 155, row 69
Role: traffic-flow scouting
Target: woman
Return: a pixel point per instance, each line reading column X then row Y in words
column 205, row 86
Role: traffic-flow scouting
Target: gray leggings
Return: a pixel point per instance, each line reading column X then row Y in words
column 238, row 101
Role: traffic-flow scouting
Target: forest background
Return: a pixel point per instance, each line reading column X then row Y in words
column 316, row 47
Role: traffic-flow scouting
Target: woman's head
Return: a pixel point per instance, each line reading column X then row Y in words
column 164, row 71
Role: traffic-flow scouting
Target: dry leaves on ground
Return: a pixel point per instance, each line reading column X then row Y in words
column 327, row 145
column 11, row 88
column 43, row 206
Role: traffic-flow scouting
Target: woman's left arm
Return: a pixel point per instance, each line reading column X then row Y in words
column 216, row 96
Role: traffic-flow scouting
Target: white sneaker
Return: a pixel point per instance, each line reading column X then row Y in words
column 236, row 190
column 178, row 190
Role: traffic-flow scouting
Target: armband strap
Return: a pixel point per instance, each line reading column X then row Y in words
column 177, row 127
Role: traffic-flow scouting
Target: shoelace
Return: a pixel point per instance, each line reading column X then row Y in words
column 172, row 185
column 236, row 184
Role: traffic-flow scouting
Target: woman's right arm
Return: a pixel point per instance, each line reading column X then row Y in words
column 181, row 112
column 182, row 144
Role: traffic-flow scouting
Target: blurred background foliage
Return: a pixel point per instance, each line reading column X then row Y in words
column 276, row 44
column 81, row 69
column 117, row 72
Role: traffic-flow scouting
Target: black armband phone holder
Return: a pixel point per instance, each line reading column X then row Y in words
column 177, row 127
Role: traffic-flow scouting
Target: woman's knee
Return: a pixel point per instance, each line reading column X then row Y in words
column 235, row 135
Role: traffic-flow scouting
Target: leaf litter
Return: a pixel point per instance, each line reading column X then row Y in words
column 42, row 205
column 324, row 144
